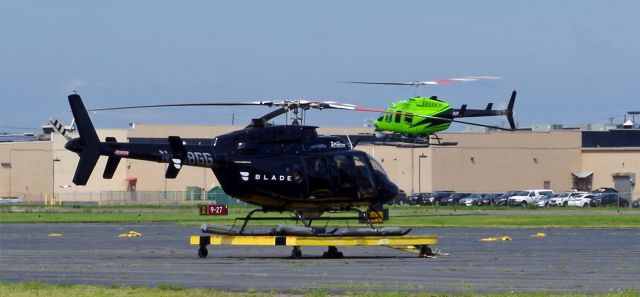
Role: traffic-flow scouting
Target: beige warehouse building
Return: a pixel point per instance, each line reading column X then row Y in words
column 481, row 162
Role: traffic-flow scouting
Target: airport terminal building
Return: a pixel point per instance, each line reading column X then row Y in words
column 482, row 161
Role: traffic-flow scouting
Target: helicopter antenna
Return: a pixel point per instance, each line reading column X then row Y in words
column 349, row 139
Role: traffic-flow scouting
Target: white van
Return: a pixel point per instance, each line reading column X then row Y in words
column 526, row 197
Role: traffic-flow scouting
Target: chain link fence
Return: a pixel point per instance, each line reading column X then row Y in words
column 190, row 197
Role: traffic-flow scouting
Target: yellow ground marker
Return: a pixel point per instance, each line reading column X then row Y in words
column 501, row 238
column 130, row 234
column 55, row 235
column 539, row 234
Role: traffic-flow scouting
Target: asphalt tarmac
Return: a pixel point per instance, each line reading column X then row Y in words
column 566, row 260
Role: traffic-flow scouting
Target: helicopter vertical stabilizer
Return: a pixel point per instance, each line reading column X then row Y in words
column 512, row 101
column 88, row 142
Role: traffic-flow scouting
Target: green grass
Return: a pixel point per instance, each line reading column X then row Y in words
column 522, row 220
column 42, row 289
column 399, row 216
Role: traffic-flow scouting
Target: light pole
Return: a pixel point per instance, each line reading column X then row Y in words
column 53, row 177
column 420, row 171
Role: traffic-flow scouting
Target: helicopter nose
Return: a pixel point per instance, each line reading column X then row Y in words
column 389, row 191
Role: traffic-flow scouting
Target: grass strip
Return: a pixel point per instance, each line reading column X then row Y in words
column 532, row 219
column 168, row 290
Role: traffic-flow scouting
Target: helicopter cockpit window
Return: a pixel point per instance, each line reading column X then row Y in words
column 377, row 168
column 388, row 117
column 365, row 180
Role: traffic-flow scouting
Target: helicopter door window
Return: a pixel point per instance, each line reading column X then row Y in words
column 397, row 117
column 408, row 118
column 365, row 180
column 318, row 177
column 342, row 178
column 388, row 117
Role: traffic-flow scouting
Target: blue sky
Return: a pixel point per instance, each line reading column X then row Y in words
column 572, row 62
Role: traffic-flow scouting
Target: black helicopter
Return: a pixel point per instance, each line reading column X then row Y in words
column 276, row 167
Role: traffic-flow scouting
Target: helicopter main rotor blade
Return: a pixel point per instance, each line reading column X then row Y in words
column 429, row 82
column 265, row 103
column 377, row 83
column 286, row 104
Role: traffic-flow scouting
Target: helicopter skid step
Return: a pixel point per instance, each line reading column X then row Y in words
column 418, row 244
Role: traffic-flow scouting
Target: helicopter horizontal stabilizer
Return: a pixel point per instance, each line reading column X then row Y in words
column 112, row 162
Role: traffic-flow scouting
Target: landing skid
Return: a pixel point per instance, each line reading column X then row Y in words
column 305, row 229
column 400, row 140
column 298, row 236
column 414, row 244
column 289, row 230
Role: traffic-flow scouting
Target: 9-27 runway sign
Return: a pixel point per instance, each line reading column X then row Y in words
column 214, row 210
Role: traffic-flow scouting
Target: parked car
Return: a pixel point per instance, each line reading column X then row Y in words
column 488, row 199
column 400, row 199
column 504, row 198
column 605, row 190
column 544, row 201
column 562, row 199
column 419, row 199
column 454, row 199
column 526, row 197
column 635, row 203
column 613, row 199
column 440, row 195
column 10, row 200
column 583, row 200
column 471, row 199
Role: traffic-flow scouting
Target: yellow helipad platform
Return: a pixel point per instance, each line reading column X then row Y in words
column 414, row 244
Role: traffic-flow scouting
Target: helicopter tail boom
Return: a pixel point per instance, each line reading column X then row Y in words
column 89, row 148
column 464, row 112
